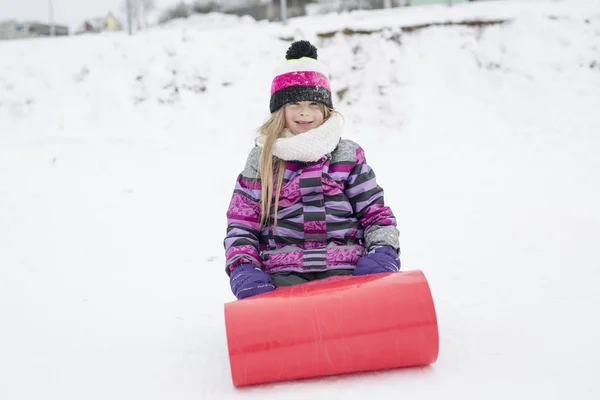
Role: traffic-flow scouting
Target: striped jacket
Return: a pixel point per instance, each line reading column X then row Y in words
column 331, row 212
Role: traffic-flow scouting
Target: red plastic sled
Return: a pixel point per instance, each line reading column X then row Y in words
column 332, row 326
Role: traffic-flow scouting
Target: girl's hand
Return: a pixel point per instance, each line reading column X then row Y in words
column 379, row 260
column 249, row 280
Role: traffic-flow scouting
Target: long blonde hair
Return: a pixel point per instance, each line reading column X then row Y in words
column 271, row 166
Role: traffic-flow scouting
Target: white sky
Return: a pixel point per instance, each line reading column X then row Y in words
column 70, row 12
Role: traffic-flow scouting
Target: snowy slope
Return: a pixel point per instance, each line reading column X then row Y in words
column 118, row 156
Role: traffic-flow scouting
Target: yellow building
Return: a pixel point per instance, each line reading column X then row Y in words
column 112, row 24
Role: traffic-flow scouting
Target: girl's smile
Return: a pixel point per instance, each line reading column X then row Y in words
column 303, row 116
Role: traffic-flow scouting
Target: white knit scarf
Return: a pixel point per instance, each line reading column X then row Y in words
column 308, row 146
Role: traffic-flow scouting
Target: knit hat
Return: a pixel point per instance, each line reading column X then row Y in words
column 300, row 78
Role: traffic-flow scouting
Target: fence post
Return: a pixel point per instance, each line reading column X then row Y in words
column 51, row 17
column 129, row 16
column 283, row 9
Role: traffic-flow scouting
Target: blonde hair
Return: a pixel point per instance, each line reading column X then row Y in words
column 272, row 167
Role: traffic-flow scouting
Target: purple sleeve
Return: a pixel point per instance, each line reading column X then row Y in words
column 243, row 222
column 367, row 200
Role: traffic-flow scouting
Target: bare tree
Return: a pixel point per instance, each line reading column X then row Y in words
column 180, row 10
column 205, row 6
column 146, row 7
column 128, row 8
column 138, row 10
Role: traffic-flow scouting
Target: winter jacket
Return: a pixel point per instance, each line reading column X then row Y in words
column 331, row 212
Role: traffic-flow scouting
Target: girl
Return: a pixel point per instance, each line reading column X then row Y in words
column 307, row 205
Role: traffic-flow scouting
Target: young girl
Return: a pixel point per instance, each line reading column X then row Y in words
column 307, row 205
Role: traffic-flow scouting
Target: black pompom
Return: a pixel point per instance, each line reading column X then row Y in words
column 299, row 49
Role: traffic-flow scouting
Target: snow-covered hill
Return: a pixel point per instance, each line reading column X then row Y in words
column 118, row 156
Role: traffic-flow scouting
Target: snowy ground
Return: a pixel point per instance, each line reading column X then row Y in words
column 118, row 157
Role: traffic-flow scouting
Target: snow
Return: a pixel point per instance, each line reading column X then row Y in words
column 118, row 156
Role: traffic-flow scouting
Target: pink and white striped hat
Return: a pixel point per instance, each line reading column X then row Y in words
column 300, row 78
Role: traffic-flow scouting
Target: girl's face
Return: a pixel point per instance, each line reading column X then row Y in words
column 303, row 116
